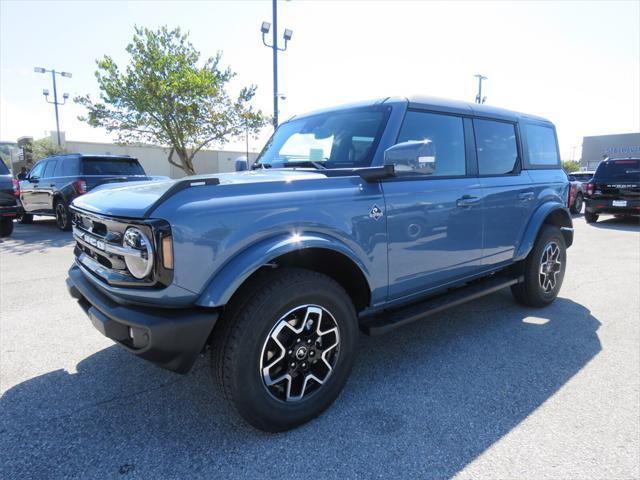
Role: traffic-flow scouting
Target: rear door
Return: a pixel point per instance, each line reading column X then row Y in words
column 508, row 193
column 433, row 208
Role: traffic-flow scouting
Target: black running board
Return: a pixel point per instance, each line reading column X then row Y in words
column 391, row 319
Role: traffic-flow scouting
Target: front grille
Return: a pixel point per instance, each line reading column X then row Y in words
column 99, row 249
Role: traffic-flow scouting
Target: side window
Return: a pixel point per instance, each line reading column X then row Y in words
column 439, row 140
column 497, row 147
column 36, row 172
column 50, row 168
column 541, row 146
column 67, row 167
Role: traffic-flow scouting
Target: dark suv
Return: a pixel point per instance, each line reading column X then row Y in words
column 614, row 188
column 9, row 203
column 55, row 181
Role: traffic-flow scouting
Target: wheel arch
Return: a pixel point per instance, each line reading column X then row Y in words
column 550, row 213
column 313, row 252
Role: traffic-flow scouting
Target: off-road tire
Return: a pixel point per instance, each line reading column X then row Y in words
column 590, row 217
column 530, row 292
column 6, row 226
column 240, row 336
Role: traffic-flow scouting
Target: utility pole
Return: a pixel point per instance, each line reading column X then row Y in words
column 55, row 102
column 274, row 46
column 479, row 97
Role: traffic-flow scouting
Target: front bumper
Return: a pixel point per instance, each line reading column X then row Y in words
column 170, row 338
column 595, row 205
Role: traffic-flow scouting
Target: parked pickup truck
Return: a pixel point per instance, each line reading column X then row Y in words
column 54, row 182
column 365, row 217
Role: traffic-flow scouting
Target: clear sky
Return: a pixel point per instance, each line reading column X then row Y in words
column 576, row 62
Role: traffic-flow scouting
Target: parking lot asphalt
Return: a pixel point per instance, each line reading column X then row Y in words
column 486, row 390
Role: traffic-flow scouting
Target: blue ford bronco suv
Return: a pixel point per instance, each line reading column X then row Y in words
column 364, row 217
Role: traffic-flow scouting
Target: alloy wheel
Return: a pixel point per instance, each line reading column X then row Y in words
column 300, row 353
column 61, row 216
column 550, row 266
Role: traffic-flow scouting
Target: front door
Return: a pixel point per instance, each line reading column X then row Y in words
column 433, row 208
column 29, row 188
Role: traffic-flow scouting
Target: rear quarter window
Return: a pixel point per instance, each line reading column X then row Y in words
column 101, row 166
column 542, row 146
column 3, row 168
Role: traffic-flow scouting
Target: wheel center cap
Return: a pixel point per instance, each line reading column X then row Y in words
column 301, row 353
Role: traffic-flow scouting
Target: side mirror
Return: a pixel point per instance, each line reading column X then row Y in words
column 412, row 157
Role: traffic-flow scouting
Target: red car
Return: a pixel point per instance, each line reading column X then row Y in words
column 577, row 193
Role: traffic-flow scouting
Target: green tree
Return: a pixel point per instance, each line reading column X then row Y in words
column 165, row 97
column 570, row 166
column 45, row 147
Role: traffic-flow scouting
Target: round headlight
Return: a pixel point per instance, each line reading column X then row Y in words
column 139, row 266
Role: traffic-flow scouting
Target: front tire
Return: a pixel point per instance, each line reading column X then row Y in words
column 63, row 218
column 543, row 269
column 285, row 348
column 590, row 217
column 6, row 226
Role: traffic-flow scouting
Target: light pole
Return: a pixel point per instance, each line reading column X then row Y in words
column 274, row 46
column 55, row 102
column 479, row 97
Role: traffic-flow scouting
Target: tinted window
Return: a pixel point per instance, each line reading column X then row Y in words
column 335, row 139
column 36, row 172
column 497, row 147
column 49, row 169
column 3, row 168
column 541, row 146
column 619, row 170
column 101, row 166
column 67, row 167
column 443, row 137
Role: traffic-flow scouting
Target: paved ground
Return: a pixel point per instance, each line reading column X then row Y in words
column 488, row 390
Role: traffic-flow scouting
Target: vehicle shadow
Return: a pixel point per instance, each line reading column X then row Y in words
column 629, row 224
column 425, row 400
column 43, row 234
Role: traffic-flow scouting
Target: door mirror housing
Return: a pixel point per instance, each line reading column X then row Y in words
column 413, row 157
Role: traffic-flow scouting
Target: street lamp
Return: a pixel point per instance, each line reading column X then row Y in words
column 479, row 97
column 55, row 103
column 266, row 26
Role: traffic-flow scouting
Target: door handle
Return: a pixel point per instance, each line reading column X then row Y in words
column 525, row 196
column 467, row 201
column 52, row 184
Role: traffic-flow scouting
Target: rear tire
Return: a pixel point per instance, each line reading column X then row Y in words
column 543, row 269
column 267, row 334
column 26, row 219
column 63, row 218
column 577, row 204
column 590, row 217
column 6, row 226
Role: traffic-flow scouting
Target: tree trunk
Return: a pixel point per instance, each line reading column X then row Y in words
column 186, row 163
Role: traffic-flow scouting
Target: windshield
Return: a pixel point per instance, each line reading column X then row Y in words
column 102, row 166
column 619, row 170
column 340, row 139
